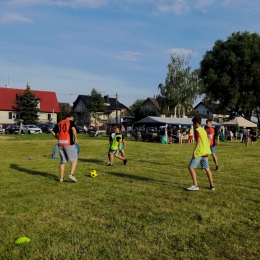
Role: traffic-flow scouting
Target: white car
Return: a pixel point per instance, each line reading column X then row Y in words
column 31, row 129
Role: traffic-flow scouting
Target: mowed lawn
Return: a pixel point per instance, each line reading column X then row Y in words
column 137, row 211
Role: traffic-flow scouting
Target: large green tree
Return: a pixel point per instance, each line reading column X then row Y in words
column 134, row 106
column 181, row 86
column 231, row 73
column 95, row 105
column 28, row 107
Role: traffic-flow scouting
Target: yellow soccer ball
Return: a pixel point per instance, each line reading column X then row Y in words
column 93, row 174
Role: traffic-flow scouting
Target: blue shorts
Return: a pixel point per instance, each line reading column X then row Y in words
column 213, row 149
column 202, row 160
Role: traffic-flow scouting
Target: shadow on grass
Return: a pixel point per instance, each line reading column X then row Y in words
column 92, row 161
column 28, row 171
column 135, row 177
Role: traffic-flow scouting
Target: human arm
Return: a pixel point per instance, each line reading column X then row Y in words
column 74, row 132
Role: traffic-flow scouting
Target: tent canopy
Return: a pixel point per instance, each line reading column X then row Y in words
column 158, row 121
column 240, row 121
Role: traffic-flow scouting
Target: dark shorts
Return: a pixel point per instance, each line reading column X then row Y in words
column 114, row 152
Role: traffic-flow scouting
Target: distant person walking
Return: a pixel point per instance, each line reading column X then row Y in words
column 211, row 136
column 65, row 132
column 200, row 155
column 190, row 138
column 253, row 136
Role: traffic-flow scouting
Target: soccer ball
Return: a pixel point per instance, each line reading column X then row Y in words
column 93, row 174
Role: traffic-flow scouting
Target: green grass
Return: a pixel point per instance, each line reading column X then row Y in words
column 137, row 211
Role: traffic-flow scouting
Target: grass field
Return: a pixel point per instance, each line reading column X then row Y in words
column 137, row 211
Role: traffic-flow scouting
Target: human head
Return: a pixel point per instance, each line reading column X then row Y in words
column 196, row 121
column 208, row 122
column 116, row 129
column 70, row 115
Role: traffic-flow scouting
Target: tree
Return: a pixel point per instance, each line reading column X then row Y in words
column 142, row 112
column 181, row 86
column 28, row 107
column 231, row 73
column 134, row 106
column 95, row 105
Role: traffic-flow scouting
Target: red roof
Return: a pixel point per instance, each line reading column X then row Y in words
column 48, row 100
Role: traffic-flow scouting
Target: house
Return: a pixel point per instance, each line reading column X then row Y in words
column 10, row 112
column 113, row 114
column 211, row 112
column 151, row 103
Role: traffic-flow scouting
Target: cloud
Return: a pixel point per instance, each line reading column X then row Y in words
column 130, row 56
column 14, row 18
column 180, row 51
column 67, row 3
column 201, row 4
column 178, row 7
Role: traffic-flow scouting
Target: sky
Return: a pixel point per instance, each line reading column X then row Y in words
column 115, row 46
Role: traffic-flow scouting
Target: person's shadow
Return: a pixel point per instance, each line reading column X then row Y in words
column 32, row 172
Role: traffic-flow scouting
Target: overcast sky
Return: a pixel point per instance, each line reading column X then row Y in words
column 114, row 46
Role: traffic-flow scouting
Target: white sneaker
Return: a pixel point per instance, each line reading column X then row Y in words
column 108, row 163
column 72, row 178
column 211, row 188
column 193, row 187
column 61, row 179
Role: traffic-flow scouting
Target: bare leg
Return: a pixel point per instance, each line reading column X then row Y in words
column 73, row 167
column 119, row 157
column 215, row 159
column 209, row 177
column 62, row 169
column 111, row 159
column 193, row 175
column 122, row 154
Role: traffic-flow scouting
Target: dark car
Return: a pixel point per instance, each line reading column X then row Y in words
column 80, row 129
column 46, row 128
column 12, row 129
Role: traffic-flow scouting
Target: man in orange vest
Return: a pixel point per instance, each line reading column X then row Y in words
column 65, row 132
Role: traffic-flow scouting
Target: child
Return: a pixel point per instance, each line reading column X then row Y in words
column 200, row 154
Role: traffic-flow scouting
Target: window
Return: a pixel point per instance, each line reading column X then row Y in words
column 49, row 117
column 207, row 112
column 10, row 115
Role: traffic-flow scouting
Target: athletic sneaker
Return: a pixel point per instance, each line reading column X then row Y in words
column 217, row 168
column 193, row 187
column 108, row 163
column 61, row 179
column 72, row 178
column 211, row 188
column 125, row 161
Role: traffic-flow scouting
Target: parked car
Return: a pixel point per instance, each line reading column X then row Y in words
column 46, row 128
column 12, row 129
column 31, row 129
column 80, row 130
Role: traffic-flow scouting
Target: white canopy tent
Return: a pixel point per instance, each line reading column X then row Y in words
column 240, row 121
column 161, row 121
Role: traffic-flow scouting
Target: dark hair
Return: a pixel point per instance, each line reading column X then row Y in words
column 208, row 120
column 70, row 114
column 196, row 119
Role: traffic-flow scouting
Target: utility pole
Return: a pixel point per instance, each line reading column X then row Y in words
column 117, row 109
